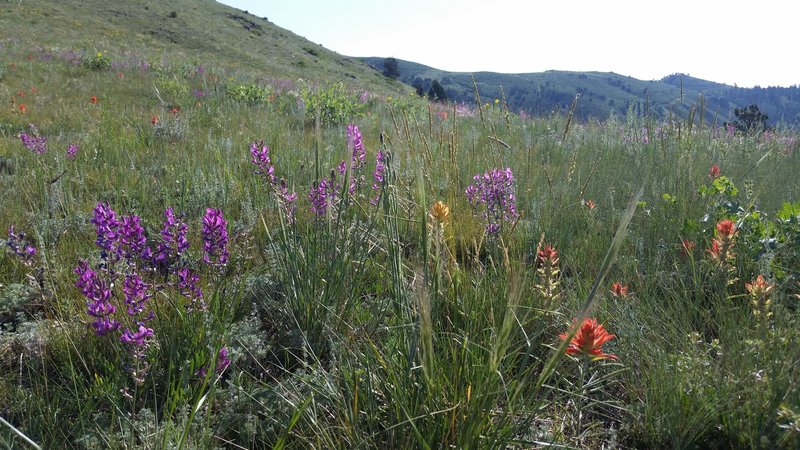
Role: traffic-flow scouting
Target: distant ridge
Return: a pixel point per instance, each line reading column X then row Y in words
column 604, row 93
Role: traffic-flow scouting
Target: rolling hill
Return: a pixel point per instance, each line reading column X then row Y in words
column 603, row 94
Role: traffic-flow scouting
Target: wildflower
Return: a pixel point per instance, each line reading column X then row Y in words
column 323, row 195
column 23, row 109
column 136, row 338
column 440, row 213
column 590, row 204
column 687, row 247
column 726, row 229
column 222, row 360
column 215, row 238
column 93, row 100
column 188, row 287
column 72, row 151
column 589, row 340
column 714, row 172
column 132, row 241
column 173, row 240
column 496, row 190
column 760, row 291
column 154, row 120
column 175, row 110
column 33, row 89
column 120, row 75
column 619, row 290
column 136, row 293
column 21, row 94
column 354, row 138
column 262, row 160
column 98, row 295
column 20, row 247
column 34, row 142
column 547, row 267
column 378, row 176
column 107, row 226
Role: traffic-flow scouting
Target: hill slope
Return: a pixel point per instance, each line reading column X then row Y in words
column 202, row 31
column 603, row 94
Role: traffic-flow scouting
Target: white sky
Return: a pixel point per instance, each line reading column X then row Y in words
column 734, row 42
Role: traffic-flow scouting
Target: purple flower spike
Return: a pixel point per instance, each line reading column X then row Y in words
column 188, row 287
column 496, row 190
column 34, row 142
column 20, row 246
column 132, row 241
column 174, row 242
column 136, row 293
column 222, row 360
column 137, row 338
column 107, row 225
column 359, row 154
column 215, row 238
column 98, row 296
column 72, row 151
column 378, row 176
column 262, row 160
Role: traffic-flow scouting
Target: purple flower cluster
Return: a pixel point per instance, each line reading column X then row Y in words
column 72, row 151
column 20, row 246
column 495, row 189
column 34, row 142
column 323, row 195
column 136, row 293
column 98, row 294
column 262, row 160
column 215, row 238
column 378, row 176
column 359, row 154
column 107, row 226
column 173, row 241
column 188, row 286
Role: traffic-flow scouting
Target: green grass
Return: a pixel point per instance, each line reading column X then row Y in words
column 379, row 324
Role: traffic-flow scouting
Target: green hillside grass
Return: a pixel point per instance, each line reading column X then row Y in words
column 277, row 285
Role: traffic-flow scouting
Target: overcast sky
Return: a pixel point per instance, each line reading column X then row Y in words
column 733, row 42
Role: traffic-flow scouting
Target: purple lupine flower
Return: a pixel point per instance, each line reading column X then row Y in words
column 188, row 287
column 132, row 241
column 288, row 200
column 222, row 360
column 215, row 238
column 323, row 195
column 378, row 176
column 34, row 142
column 496, row 190
column 136, row 293
column 107, row 225
column 137, row 338
column 262, row 160
column 20, row 246
column 173, row 240
column 359, row 154
column 98, row 296
column 72, row 151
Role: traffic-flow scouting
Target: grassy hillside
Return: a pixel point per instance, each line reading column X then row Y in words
column 604, row 94
column 203, row 255
column 178, row 32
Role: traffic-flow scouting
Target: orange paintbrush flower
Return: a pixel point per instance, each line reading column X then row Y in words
column 726, row 228
column 589, row 340
column 93, row 100
column 619, row 290
column 547, row 256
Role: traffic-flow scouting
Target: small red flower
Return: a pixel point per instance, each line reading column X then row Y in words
column 619, row 290
column 687, row 247
column 93, row 100
column 726, row 228
column 154, row 120
column 21, row 94
column 714, row 172
column 33, row 89
column 547, row 255
column 589, row 340
column 175, row 110
column 590, row 204
column 759, row 287
column 22, row 108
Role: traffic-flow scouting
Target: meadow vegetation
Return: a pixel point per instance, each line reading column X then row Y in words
column 198, row 258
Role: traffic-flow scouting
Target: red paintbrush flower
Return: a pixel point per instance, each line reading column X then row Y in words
column 726, row 228
column 619, row 290
column 589, row 340
column 714, row 172
column 93, row 100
